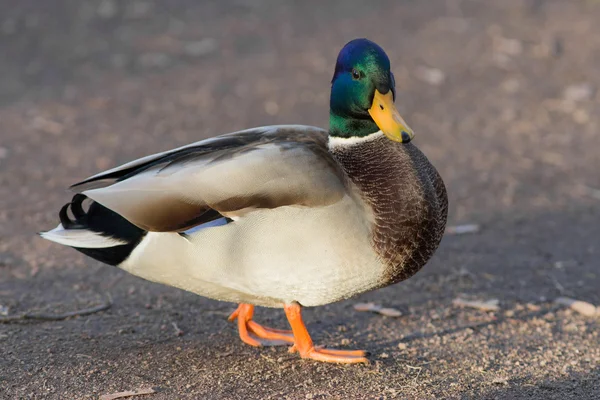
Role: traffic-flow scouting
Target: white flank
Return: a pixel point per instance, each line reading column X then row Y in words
column 80, row 238
column 340, row 142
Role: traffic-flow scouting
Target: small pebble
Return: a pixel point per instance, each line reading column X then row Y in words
column 200, row 47
column 271, row 107
column 511, row 47
column 511, row 85
column 565, row 264
column 581, row 117
column 9, row 27
column 107, row 9
column 433, row 76
column 138, row 9
column 154, row 60
column 578, row 92
column 592, row 192
column 119, row 60
column 47, row 125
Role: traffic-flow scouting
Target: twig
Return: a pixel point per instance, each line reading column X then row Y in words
column 557, row 285
column 56, row 317
column 462, row 229
column 414, row 381
column 128, row 393
column 178, row 332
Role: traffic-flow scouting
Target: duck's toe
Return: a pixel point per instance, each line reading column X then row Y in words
column 255, row 334
column 333, row 355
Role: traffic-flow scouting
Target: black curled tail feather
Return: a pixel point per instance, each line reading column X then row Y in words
column 105, row 222
column 76, row 206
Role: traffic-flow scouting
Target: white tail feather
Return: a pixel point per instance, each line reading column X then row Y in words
column 80, row 238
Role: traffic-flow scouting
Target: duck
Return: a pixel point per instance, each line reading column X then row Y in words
column 286, row 216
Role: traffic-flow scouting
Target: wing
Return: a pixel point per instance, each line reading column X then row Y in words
column 227, row 175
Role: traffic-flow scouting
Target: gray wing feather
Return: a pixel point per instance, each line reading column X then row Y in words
column 232, row 174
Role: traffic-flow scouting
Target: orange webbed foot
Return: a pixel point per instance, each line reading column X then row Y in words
column 255, row 334
column 303, row 343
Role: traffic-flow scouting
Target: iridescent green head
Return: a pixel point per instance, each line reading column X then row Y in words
column 363, row 93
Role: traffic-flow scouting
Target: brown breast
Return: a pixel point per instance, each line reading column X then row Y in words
column 408, row 199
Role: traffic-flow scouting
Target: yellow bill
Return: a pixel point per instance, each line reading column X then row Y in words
column 388, row 119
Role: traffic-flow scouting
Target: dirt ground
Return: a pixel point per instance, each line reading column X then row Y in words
column 504, row 97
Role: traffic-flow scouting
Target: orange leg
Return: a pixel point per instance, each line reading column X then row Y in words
column 303, row 344
column 257, row 335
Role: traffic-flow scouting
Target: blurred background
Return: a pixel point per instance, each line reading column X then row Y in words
column 504, row 99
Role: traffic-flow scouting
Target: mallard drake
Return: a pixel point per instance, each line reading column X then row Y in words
column 285, row 216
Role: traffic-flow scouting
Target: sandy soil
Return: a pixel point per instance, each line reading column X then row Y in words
column 504, row 98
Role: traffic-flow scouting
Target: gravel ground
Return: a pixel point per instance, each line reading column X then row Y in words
column 505, row 100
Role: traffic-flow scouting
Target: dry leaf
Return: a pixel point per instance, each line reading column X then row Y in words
column 390, row 312
column 500, row 381
column 582, row 307
column 128, row 393
column 367, row 307
column 387, row 312
column 488, row 305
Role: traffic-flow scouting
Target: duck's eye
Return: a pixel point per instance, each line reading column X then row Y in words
column 355, row 74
